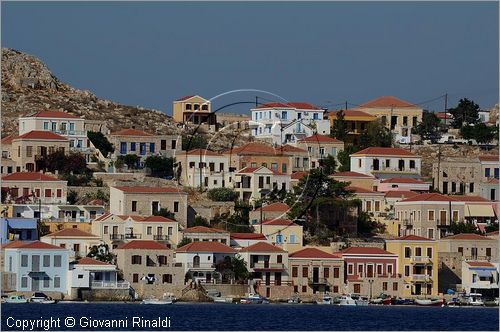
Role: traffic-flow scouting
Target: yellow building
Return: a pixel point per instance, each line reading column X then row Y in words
column 356, row 121
column 193, row 109
column 282, row 233
column 417, row 263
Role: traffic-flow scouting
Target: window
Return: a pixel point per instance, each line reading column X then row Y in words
column 412, row 164
column 29, row 151
column 430, row 215
column 134, row 206
column 196, row 107
column 151, row 147
column 123, row 147
column 304, row 289
column 384, row 286
column 167, row 278
column 395, row 286
column 486, row 172
column 48, row 193
column 142, row 148
column 149, row 230
column 136, row 260
column 176, row 207
column 377, row 206
column 24, row 260
column 336, row 272
column 315, row 116
column 368, row 205
column 57, row 261
column 429, row 252
column 488, row 252
column 105, row 230
column 407, row 252
column 461, row 250
column 135, row 277
column 57, row 282
column 496, row 173
column 284, row 115
column 295, row 271
column 304, row 272
column 407, row 270
column 283, row 168
column 326, row 273
column 357, row 288
column 471, row 187
column 46, row 260
column 76, row 247
column 359, row 163
column 80, row 276
column 379, row 270
column 350, row 268
column 58, row 193
column 430, row 233
column 360, row 270
column 455, row 215
column 418, row 251
column 292, row 239
column 389, row 269
column 46, row 282
column 24, row 282
column 335, row 289
column 414, row 121
column 133, row 146
column 453, row 187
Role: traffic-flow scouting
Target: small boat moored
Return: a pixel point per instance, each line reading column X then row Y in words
column 253, row 298
column 474, row 299
column 16, row 299
column 430, row 302
column 41, row 298
column 346, row 300
column 326, row 299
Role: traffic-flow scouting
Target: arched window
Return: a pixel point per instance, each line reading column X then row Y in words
column 196, row 261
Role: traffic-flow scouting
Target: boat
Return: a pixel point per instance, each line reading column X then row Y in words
column 475, row 299
column 16, row 299
column 382, row 300
column 326, row 299
column 430, row 302
column 253, row 298
column 346, row 300
column 41, row 298
column 157, row 301
column 222, row 299
column 359, row 299
column 401, row 301
column 293, row 300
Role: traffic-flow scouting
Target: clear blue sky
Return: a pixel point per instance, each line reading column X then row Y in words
column 325, row 53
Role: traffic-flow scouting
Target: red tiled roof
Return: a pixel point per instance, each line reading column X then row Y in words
column 489, row 158
column 378, row 151
column 71, row 232
column 262, row 247
column 297, row 105
column 351, row 174
column 52, row 114
column 248, row 170
column 467, row 236
column 149, row 190
column 387, row 101
column 298, row 175
column 434, row 197
column 254, row 149
column 144, row 245
column 474, row 263
column 130, row 132
column 290, row 148
column 413, row 238
column 400, row 194
column 31, row 245
column 203, row 229
column 185, row 98
column 156, row 219
column 90, row 261
column 359, row 190
column 366, row 251
column 313, row 253
column 278, row 222
column 442, row 115
column 248, row 236
column 463, row 198
column 203, row 152
column 206, row 246
column 320, row 138
column 493, row 181
column 274, row 207
column 492, row 233
column 41, row 135
column 7, row 140
column 402, row 180
column 351, row 113
column 29, row 176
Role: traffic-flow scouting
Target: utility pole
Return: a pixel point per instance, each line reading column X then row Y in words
column 445, row 107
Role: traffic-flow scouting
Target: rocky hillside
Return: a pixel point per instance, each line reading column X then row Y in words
column 29, row 86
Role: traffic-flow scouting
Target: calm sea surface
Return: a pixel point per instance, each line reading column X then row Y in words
column 251, row 317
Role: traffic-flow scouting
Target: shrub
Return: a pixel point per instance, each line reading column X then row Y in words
column 222, row 195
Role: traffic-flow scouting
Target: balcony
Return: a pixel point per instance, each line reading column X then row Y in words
column 420, row 278
column 70, row 132
column 317, row 281
column 268, row 266
column 110, row 284
column 125, row 237
column 420, row 260
column 442, row 224
column 201, row 266
column 161, row 237
column 407, row 223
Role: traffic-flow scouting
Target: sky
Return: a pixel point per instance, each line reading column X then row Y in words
column 324, row 53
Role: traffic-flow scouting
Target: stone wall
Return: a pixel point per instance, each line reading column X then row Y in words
column 228, row 290
column 111, row 178
column 449, row 270
column 104, row 294
column 82, row 191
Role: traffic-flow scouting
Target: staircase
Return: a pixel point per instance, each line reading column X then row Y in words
column 198, row 294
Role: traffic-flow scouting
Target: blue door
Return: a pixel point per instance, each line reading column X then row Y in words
column 123, row 148
column 143, row 148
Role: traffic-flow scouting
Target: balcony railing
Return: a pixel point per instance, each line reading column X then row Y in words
column 317, row 281
column 266, row 265
column 161, row 237
column 201, row 266
column 421, row 277
column 110, row 284
column 125, row 237
column 421, row 259
column 70, row 132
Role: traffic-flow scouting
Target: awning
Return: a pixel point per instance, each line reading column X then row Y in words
column 484, row 273
column 479, row 211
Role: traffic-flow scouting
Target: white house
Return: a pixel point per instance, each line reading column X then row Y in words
column 386, row 163
column 200, row 258
column 288, row 122
column 37, row 266
column 252, row 183
column 480, row 277
column 91, row 273
column 203, row 166
column 78, row 241
column 58, row 212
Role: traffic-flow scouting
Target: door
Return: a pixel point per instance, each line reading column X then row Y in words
column 369, row 271
column 196, row 261
column 376, row 164
column 155, row 207
column 315, row 274
column 277, row 278
column 268, row 278
column 401, row 165
column 35, row 284
column 442, row 217
column 35, row 263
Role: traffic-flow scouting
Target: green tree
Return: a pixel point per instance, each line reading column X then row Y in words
column 463, row 227
column 72, row 197
column 345, row 159
column 339, row 129
column 72, row 163
column 491, row 227
column 99, row 194
column 238, row 221
column 329, row 164
column 190, row 142
column 222, row 194
column 239, row 268
column 160, row 166
column 429, row 128
column 482, row 133
column 101, row 253
column 368, row 226
column 131, row 160
column 466, row 112
column 164, row 212
column 100, row 142
column 200, row 221
column 183, row 242
column 375, row 134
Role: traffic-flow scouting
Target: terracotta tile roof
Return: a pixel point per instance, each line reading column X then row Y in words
column 388, row 101
column 104, row 216
column 400, row 194
column 492, row 233
column 352, row 113
column 378, row 151
column 248, row 236
column 156, row 219
column 249, row 170
column 149, row 190
column 297, row 105
column 185, row 98
column 90, row 261
column 290, row 149
column 130, row 132
column 206, row 246
column 298, row 175
column 29, row 176
column 42, row 135
column 31, row 245
column 442, row 115
column 485, row 264
column 413, row 238
column 71, row 232
column 433, row 197
column 463, row 198
column 351, row 174
column 313, row 253
column 489, row 158
column 133, row 217
column 403, row 180
column 262, row 247
column 203, row 152
column 278, row 222
column 359, row 190
column 203, row 229
column 467, row 236
column 52, row 114
column 7, row 140
column 493, row 181
column 254, row 149
column 366, row 251
column 274, row 207
column 143, row 245
column 320, row 138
